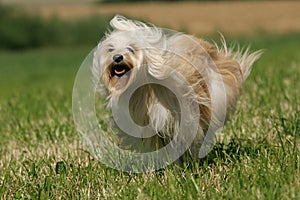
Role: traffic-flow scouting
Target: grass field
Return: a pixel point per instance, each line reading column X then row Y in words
column 41, row 157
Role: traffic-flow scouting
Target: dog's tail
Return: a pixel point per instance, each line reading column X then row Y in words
column 243, row 56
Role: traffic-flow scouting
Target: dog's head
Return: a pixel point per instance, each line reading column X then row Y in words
column 123, row 52
column 118, row 57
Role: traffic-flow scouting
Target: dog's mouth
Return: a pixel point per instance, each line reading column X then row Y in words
column 119, row 70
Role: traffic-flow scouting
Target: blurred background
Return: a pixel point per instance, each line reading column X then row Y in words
column 33, row 23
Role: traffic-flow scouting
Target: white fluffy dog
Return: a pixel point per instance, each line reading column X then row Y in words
column 134, row 48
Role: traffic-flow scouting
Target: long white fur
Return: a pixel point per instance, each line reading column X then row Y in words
column 243, row 56
column 151, row 40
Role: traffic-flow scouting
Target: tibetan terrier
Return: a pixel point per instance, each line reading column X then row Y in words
column 203, row 73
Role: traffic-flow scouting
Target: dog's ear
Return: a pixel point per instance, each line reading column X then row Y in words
column 121, row 23
column 156, row 64
column 96, row 65
column 148, row 34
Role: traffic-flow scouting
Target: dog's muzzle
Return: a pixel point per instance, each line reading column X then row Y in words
column 119, row 68
column 118, row 58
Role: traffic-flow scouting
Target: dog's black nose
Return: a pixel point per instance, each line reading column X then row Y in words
column 118, row 58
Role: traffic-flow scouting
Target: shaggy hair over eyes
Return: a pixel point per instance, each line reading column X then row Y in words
column 212, row 72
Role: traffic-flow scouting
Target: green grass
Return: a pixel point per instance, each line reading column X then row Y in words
column 41, row 157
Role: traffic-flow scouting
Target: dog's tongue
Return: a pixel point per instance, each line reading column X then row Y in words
column 119, row 72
